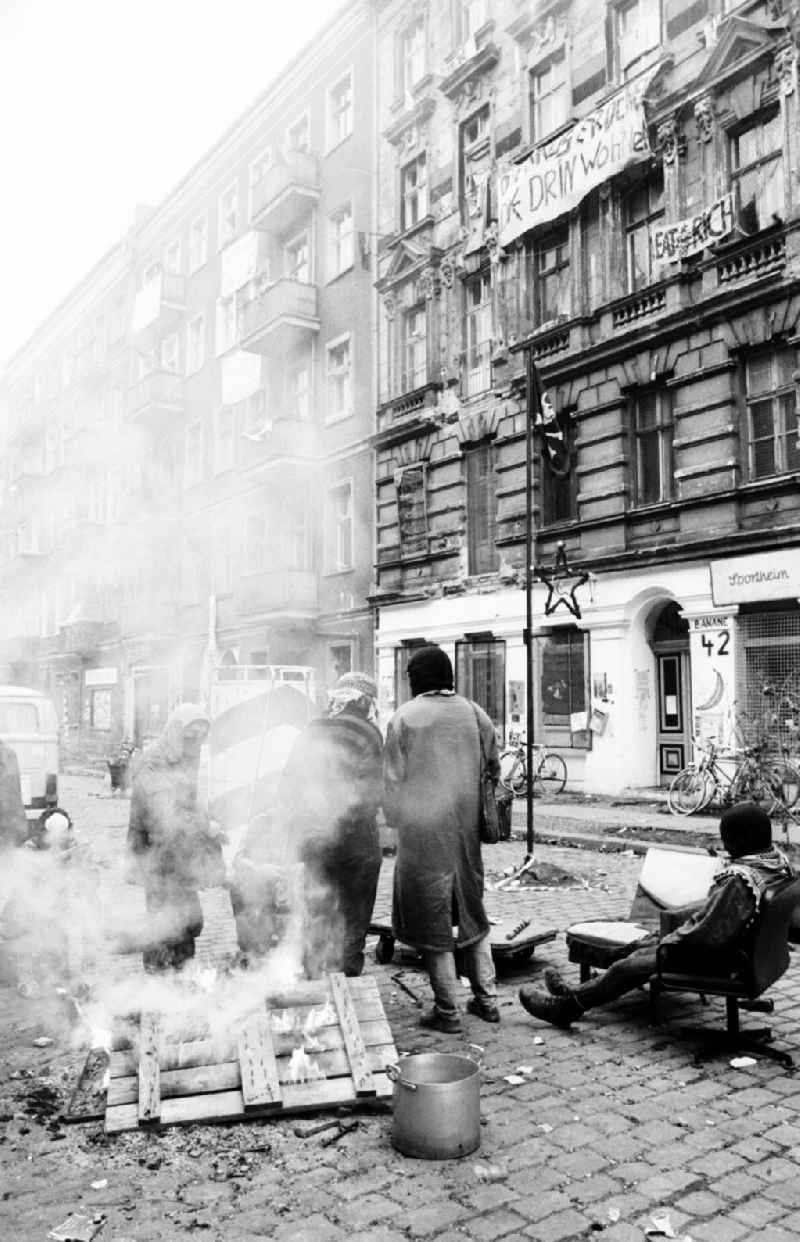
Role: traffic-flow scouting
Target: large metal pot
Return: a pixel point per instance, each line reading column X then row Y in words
column 437, row 1108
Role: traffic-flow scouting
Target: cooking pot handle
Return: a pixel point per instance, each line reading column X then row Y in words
column 393, row 1074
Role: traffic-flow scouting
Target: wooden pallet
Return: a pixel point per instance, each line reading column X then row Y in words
column 175, row 1077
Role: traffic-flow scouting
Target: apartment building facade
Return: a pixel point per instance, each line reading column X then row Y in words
column 611, row 191
column 215, row 373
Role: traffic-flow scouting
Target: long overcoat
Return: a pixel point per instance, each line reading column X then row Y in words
column 432, row 798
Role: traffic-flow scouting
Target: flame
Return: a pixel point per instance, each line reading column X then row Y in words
column 322, row 1016
column 302, row 1068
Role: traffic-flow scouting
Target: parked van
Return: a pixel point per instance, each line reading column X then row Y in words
column 29, row 725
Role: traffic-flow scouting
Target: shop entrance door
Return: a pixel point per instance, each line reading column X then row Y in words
column 674, row 714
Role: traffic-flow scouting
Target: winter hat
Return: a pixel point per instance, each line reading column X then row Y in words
column 430, row 669
column 745, row 829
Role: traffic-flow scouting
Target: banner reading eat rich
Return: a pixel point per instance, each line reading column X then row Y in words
column 557, row 175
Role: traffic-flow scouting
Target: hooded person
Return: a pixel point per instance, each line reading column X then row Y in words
column 328, row 802
column 432, row 764
column 709, row 932
column 170, row 839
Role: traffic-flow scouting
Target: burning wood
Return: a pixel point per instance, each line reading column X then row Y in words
column 302, row 1068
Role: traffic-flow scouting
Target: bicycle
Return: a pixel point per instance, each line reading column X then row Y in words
column 705, row 782
column 549, row 770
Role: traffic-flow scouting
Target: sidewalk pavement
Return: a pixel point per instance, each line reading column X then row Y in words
column 611, row 1128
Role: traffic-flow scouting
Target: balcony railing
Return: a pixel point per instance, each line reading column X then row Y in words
column 286, row 192
column 640, row 305
column 277, row 590
column 156, row 395
column 759, row 259
column 280, row 318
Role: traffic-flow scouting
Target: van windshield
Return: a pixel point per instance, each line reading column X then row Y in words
column 18, row 718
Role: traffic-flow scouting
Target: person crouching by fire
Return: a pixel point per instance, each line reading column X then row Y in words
column 170, row 839
column 328, row 802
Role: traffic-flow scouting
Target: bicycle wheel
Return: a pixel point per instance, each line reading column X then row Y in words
column 512, row 772
column 689, row 791
column 551, row 774
column 782, row 787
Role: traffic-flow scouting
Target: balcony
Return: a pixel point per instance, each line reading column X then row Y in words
column 156, row 397
column 159, row 303
column 415, row 397
column 281, row 319
column 277, row 591
column 636, row 307
column 286, row 193
column 289, row 443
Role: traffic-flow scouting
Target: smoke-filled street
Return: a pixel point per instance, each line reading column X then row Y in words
column 601, row 1128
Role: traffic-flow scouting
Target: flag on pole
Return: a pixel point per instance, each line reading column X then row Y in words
column 552, row 426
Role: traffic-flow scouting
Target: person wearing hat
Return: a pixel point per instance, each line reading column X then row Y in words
column 717, row 925
column 432, row 764
column 328, row 800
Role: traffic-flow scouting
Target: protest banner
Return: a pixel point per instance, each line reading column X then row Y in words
column 557, row 175
column 670, row 242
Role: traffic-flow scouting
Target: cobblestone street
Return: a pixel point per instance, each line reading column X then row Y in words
column 596, row 1130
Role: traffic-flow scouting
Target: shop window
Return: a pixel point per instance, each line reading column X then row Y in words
column 643, row 207
column 402, row 655
column 757, row 172
column 564, row 688
column 481, row 509
column 481, row 675
column 772, row 430
column 652, row 455
column 549, row 97
column 768, row 676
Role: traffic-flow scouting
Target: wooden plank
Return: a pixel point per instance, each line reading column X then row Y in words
column 259, row 1073
column 375, row 1031
column 354, row 1044
column 88, row 1101
column 226, row 1076
column 229, row 1106
column 149, row 1107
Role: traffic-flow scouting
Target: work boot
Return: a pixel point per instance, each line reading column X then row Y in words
column 555, row 984
column 435, row 1021
column 557, row 1010
column 487, row 1013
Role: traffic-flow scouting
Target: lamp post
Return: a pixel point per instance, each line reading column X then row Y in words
column 529, row 571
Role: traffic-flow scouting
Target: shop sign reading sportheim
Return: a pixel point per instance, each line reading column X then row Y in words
column 766, row 575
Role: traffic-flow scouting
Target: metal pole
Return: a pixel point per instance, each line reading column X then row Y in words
column 529, row 533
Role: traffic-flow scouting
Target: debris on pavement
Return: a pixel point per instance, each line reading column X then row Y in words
column 343, row 1128
column 489, row 1172
column 44, row 1041
column 743, row 1062
column 516, row 1080
column 399, row 980
column 100, row 1184
column 77, row 1228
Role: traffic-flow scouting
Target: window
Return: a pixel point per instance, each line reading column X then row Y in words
column 412, row 55
column 298, row 258
column 296, row 536
column 340, row 659
column 481, row 675
column 652, row 457
column 339, row 527
column 415, row 348
column 256, row 543
column 258, row 169
column 642, row 207
column 193, row 462
column 223, row 440
column 298, row 389
column 337, row 370
column 757, row 173
column 228, row 216
column 253, row 410
column 341, row 241
column 475, row 186
column 169, row 354
column 564, row 687
column 772, row 429
column 470, row 15
column 340, row 111
column 481, row 509
column 680, row 15
column 195, row 344
column 551, row 277
column 636, row 31
column 477, row 127
column 549, row 98
column 198, row 243
column 478, row 333
column 412, row 513
column 172, row 258
column 298, row 136
column 413, row 192
column 226, row 334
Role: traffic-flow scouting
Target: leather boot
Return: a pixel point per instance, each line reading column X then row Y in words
column 555, row 984
column 557, row 1010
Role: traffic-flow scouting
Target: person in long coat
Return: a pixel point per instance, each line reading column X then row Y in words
column 432, row 763
column 328, row 802
column 171, row 840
